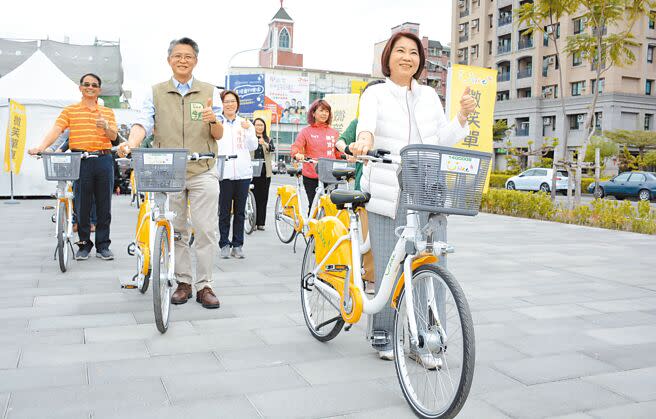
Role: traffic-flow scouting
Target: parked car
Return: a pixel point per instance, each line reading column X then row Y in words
column 641, row 185
column 538, row 179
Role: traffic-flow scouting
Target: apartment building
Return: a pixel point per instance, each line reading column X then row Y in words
column 485, row 33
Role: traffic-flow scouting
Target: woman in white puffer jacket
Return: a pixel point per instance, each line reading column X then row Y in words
column 392, row 115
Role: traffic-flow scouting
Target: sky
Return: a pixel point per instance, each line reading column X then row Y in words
column 332, row 35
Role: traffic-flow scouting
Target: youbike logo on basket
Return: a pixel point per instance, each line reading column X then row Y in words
column 460, row 164
column 166, row 158
column 60, row 159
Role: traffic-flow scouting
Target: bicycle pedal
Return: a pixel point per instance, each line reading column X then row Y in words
column 177, row 236
column 379, row 337
column 348, row 327
column 131, row 249
column 337, row 268
column 47, row 207
column 129, row 287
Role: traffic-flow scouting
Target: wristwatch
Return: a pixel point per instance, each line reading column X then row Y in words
column 213, row 123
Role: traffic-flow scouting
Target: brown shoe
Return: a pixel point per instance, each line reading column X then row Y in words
column 93, row 228
column 207, row 298
column 75, row 228
column 181, row 294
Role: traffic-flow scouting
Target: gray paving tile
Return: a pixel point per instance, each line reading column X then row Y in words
column 625, row 357
column 617, row 306
column 241, row 323
column 345, row 370
column 537, row 345
column 488, row 351
column 223, row 407
column 556, row 311
column 478, row 409
column 9, row 357
column 4, row 399
column 144, row 392
column 204, row 343
column 219, row 384
column 552, row 368
column 136, row 332
column 69, row 412
column 18, row 379
column 634, row 411
column 91, row 352
column 29, row 337
column 633, row 335
column 638, row 385
column 80, row 299
column 26, row 301
column 552, row 399
column 324, row 401
column 76, row 322
column 487, row 380
column 272, row 355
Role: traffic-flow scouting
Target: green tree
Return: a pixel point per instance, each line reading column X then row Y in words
column 642, row 140
column 604, row 49
column 650, row 161
column 607, row 148
column 535, row 15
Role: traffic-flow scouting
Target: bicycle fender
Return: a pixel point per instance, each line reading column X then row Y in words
column 422, row 260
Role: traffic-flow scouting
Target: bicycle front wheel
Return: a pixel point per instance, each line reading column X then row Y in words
column 160, row 277
column 251, row 213
column 320, row 310
column 436, row 372
column 63, row 249
column 284, row 225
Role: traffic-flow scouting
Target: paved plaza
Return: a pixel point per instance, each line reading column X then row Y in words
column 565, row 323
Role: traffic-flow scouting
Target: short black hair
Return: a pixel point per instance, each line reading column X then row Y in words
column 184, row 41
column 92, row 75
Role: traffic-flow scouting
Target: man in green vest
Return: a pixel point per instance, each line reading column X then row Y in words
column 180, row 114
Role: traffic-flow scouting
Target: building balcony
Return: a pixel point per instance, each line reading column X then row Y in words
column 501, row 77
column 464, row 13
column 522, row 74
column 525, row 43
column 506, row 20
column 503, row 49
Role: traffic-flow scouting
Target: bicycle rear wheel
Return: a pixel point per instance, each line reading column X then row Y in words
column 160, row 276
column 251, row 213
column 320, row 310
column 284, row 225
column 436, row 374
column 63, row 249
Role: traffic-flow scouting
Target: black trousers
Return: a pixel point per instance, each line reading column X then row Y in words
column 232, row 195
column 311, row 186
column 261, row 192
column 96, row 183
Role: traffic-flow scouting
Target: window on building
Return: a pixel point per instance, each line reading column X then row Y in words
column 648, row 87
column 593, row 83
column 650, row 53
column 576, row 121
column 577, row 59
column 577, row 88
column 522, row 127
column 579, row 26
column 503, row 95
column 491, row 19
column 598, row 119
column 283, row 39
column 549, row 29
column 648, row 118
column 489, row 47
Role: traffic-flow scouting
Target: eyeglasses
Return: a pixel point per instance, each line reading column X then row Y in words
column 87, row 84
column 179, row 57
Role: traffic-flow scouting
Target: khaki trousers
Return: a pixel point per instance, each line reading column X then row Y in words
column 202, row 193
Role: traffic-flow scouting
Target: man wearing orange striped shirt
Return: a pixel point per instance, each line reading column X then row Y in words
column 92, row 128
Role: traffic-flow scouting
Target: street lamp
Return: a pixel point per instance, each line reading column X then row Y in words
column 230, row 61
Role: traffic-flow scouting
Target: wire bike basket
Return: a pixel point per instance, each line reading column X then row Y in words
column 325, row 169
column 160, row 169
column 257, row 167
column 62, row 166
column 443, row 180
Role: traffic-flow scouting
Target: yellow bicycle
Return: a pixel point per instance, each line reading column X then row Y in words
column 433, row 336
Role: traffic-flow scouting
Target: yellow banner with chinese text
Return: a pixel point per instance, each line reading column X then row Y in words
column 483, row 85
column 15, row 139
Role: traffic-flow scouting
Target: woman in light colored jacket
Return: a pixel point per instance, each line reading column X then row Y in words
column 262, row 181
column 392, row 115
column 238, row 138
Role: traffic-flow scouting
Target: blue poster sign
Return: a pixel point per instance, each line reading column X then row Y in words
column 250, row 88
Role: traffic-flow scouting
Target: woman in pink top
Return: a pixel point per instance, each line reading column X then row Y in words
column 315, row 141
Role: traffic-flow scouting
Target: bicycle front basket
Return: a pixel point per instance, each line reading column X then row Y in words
column 160, row 169
column 257, row 167
column 325, row 170
column 443, row 179
column 62, row 166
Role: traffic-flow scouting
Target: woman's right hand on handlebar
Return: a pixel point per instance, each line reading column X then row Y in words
column 359, row 148
column 299, row 156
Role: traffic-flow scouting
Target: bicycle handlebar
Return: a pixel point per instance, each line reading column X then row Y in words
column 200, row 156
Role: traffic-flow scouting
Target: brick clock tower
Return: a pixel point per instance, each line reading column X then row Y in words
column 278, row 47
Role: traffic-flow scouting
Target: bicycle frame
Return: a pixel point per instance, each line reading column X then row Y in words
column 65, row 194
column 292, row 198
column 161, row 215
column 350, row 289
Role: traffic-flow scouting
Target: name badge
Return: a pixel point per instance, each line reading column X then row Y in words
column 196, row 111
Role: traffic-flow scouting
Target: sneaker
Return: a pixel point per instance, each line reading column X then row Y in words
column 82, row 254
column 427, row 360
column 225, row 252
column 386, row 355
column 237, row 252
column 261, row 228
column 105, row 254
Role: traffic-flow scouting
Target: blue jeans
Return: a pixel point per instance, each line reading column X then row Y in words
column 76, row 204
column 232, row 195
column 96, row 183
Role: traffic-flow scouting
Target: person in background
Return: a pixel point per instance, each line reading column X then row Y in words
column 238, row 138
column 348, row 137
column 262, row 182
column 315, row 141
column 92, row 128
column 392, row 115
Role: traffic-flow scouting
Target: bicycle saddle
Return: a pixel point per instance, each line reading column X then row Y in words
column 294, row 172
column 341, row 197
column 347, row 173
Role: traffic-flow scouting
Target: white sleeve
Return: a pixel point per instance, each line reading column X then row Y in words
column 251, row 138
column 368, row 112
